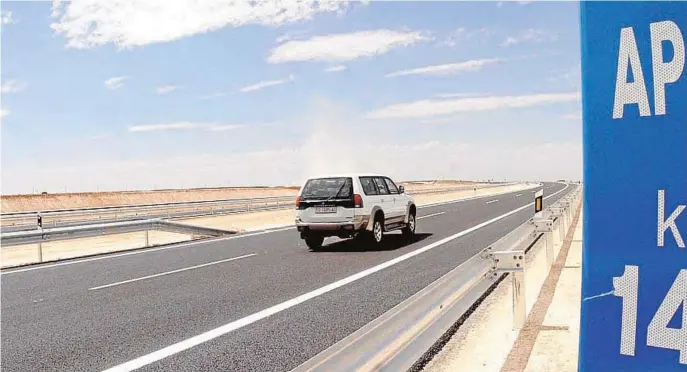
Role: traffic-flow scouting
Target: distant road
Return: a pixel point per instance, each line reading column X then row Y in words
column 94, row 314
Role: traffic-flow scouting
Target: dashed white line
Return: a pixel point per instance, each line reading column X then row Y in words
column 240, row 323
column 492, row 201
column 171, row 272
column 518, row 195
column 431, row 215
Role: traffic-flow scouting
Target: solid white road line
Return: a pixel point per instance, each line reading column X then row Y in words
column 430, row 215
column 171, row 272
column 232, row 326
column 492, row 201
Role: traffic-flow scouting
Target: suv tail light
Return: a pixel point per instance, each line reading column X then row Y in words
column 298, row 201
column 357, row 201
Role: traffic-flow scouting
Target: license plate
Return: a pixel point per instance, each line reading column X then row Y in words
column 323, row 209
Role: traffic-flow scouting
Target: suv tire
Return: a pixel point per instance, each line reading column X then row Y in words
column 409, row 228
column 377, row 233
column 314, row 242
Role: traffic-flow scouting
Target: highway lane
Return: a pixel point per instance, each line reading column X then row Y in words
column 51, row 320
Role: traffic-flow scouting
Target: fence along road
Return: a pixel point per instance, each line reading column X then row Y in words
column 201, row 307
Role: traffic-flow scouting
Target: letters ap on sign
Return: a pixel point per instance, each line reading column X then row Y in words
column 634, row 260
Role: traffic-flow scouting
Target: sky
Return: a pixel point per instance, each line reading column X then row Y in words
column 148, row 94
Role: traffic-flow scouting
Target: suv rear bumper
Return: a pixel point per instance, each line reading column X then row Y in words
column 333, row 228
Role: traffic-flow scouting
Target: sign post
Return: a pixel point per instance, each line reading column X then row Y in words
column 634, row 278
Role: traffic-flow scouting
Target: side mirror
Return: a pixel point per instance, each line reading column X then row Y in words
column 401, row 189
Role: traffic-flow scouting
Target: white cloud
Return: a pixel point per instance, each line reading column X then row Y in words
column 12, row 86
column 184, row 125
column 463, row 34
column 115, row 82
column 291, row 35
column 344, row 47
column 4, row 113
column 131, row 23
column 6, row 17
column 267, row 83
column 441, row 120
column 222, row 128
column 428, row 107
column 447, row 69
column 166, row 89
column 571, row 76
column 337, row 68
column 529, row 36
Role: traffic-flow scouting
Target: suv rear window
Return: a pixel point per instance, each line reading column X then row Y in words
column 328, row 188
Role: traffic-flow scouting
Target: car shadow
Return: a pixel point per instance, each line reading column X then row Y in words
column 390, row 242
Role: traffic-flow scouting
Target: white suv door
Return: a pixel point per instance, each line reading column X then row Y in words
column 386, row 200
column 399, row 199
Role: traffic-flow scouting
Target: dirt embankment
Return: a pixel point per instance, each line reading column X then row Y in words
column 46, row 202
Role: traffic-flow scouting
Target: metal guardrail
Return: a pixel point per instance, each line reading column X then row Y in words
column 24, row 221
column 399, row 338
column 65, row 233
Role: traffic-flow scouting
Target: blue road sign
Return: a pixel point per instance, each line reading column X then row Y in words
column 634, row 280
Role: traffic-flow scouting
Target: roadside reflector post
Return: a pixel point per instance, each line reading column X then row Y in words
column 538, row 203
column 513, row 262
column 146, row 241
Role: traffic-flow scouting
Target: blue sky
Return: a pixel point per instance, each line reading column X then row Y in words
column 234, row 95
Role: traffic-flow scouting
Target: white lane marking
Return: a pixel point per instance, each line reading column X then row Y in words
column 171, row 272
column 232, row 326
column 518, row 195
column 181, row 245
column 492, row 201
column 430, row 215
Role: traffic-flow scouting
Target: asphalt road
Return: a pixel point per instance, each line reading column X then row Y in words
column 254, row 302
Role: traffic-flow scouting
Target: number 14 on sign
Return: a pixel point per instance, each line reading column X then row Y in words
column 658, row 333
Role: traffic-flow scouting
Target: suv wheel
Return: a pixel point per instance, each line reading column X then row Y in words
column 314, row 242
column 409, row 229
column 377, row 231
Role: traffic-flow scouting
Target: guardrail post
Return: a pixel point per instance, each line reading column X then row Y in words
column 564, row 226
column 513, row 262
column 545, row 226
